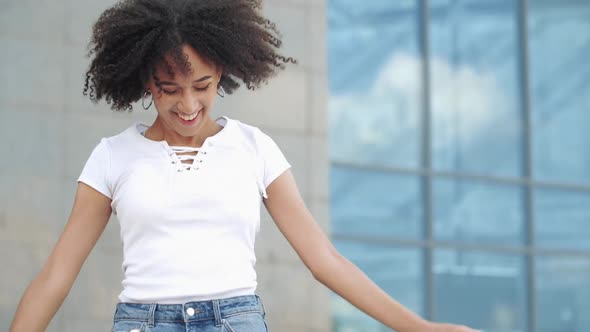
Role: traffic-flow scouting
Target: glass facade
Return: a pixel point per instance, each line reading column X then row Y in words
column 460, row 160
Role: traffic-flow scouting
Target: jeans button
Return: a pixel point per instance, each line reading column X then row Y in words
column 190, row 311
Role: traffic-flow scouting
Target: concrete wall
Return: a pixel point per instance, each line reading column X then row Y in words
column 47, row 130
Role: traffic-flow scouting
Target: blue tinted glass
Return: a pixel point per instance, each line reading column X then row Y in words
column 563, row 294
column 484, row 291
column 375, row 82
column 480, row 212
column 347, row 11
column 367, row 202
column 475, row 101
column 563, row 219
column 397, row 271
column 559, row 39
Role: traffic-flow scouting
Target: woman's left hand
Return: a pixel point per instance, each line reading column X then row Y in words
column 438, row 327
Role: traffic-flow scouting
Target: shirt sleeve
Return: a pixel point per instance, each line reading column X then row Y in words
column 272, row 159
column 96, row 170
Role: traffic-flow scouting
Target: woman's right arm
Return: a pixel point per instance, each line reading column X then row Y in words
column 45, row 294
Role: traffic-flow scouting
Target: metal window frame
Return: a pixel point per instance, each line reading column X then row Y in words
column 529, row 251
column 530, row 220
column 426, row 156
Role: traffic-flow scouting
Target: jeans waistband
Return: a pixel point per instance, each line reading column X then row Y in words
column 190, row 311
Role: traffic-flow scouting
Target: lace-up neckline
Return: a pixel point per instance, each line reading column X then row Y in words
column 196, row 159
column 178, row 154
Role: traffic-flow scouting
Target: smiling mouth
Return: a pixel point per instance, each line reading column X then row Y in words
column 188, row 117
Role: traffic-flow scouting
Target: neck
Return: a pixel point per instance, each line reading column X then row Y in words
column 158, row 131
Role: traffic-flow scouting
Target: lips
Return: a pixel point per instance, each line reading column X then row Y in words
column 188, row 119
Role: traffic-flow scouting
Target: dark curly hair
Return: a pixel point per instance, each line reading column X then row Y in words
column 131, row 38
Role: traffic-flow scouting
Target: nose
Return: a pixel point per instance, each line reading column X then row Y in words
column 189, row 103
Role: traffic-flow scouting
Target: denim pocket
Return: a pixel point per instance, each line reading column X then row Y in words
column 246, row 322
column 128, row 326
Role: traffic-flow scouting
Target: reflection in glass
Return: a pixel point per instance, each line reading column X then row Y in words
column 480, row 212
column 475, row 99
column 476, row 82
column 375, row 82
column 397, row 271
column 366, row 202
column 485, row 291
column 563, row 294
column 563, row 219
column 560, row 86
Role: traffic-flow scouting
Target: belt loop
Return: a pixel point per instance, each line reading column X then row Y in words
column 151, row 315
column 217, row 312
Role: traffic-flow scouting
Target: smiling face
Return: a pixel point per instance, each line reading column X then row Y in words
column 184, row 102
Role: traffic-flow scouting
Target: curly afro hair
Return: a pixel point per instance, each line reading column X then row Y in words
column 131, row 38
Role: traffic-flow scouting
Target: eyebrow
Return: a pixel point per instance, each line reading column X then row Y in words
column 204, row 78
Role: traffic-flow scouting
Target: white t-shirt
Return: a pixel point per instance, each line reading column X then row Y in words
column 188, row 230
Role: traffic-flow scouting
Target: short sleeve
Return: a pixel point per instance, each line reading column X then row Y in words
column 96, row 171
column 272, row 159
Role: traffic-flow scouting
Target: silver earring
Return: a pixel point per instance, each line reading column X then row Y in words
column 143, row 100
column 220, row 91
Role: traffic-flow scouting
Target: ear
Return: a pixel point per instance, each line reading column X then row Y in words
column 218, row 74
column 149, row 83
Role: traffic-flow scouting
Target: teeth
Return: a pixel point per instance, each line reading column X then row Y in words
column 188, row 118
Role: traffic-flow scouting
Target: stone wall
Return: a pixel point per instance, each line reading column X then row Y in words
column 47, row 130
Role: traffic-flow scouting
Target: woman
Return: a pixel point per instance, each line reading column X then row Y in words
column 187, row 189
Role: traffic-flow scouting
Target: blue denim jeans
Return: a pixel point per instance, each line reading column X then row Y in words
column 234, row 314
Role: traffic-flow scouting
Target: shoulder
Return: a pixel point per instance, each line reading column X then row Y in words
column 244, row 129
column 250, row 133
column 261, row 144
column 121, row 140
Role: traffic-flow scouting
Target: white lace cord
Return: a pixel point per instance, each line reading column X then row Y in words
column 178, row 159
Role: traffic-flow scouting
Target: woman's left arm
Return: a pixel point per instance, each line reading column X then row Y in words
column 288, row 210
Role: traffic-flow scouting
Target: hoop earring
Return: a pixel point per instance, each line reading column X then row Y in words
column 220, row 91
column 143, row 100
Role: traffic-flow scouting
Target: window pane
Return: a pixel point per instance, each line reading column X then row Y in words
column 560, row 82
column 563, row 219
column 478, row 212
column 366, row 202
column 398, row 271
column 375, row 82
column 484, row 291
column 475, row 97
column 563, row 294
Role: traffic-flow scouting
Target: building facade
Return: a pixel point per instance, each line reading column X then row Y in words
column 460, row 167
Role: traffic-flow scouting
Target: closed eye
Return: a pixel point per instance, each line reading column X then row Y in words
column 203, row 88
column 172, row 92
